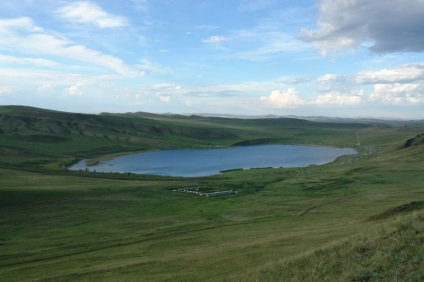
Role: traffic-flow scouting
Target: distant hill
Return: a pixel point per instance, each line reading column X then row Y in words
column 320, row 118
column 29, row 131
column 22, row 128
column 28, row 120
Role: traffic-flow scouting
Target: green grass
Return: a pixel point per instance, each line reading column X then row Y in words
column 344, row 221
column 389, row 251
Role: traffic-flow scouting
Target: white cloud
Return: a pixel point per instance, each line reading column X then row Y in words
column 90, row 13
column 283, row 99
column 380, row 25
column 165, row 99
column 7, row 26
column 332, row 83
column 405, row 73
column 146, row 66
column 25, row 37
column 45, row 88
column 5, row 90
column 166, row 87
column 163, row 92
column 207, row 27
column 75, row 90
column 188, row 103
column 41, row 77
column 291, row 99
column 335, row 98
column 215, row 39
column 327, row 77
column 398, row 93
column 27, row 61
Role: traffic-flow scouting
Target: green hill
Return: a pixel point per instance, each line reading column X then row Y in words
column 33, row 124
column 61, row 136
column 389, row 251
column 356, row 219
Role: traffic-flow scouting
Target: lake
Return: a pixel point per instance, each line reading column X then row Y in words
column 192, row 163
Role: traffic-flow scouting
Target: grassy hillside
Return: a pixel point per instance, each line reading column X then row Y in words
column 59, row 130
column 416, row 141
column 356, row 219
column 50, row 138
column 389, row 251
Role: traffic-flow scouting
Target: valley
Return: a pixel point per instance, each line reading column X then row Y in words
column 355, row 219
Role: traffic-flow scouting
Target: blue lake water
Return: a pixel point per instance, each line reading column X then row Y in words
column 192, row 163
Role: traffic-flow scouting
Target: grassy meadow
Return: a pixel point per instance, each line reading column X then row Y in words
column 359, row 218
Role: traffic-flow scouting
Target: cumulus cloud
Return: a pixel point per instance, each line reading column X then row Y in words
column 384, row 26
column 283, row 99
column 397, row 85
column 398, row 93
column 327, row 77
column 291, row 99
column 90, row 13
column 215, row 39
column 335, row 98
column 75, row 90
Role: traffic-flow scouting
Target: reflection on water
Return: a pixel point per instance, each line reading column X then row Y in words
column 191, row 163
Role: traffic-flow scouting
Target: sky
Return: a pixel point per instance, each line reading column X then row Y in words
column 344, row 58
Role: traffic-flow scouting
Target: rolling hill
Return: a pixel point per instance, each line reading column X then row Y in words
column 29, row 132
column 355, row 219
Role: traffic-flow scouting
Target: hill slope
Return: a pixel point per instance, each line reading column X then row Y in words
column 31, row 132
column 25, row 120
column 312, row 223
column 416, row 141
column 391, row 251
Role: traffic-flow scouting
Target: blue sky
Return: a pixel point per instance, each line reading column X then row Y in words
column 346, row 58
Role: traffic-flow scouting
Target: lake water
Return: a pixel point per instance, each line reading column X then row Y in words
column 192, row 163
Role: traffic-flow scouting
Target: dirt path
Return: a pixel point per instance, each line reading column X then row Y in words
column 324, row 204
column 358, row 141
column 317, row 206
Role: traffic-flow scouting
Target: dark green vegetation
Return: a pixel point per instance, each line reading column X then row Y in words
column 360, row 218
column 416, row 141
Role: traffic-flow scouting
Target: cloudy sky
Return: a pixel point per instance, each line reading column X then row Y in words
column 347, row 58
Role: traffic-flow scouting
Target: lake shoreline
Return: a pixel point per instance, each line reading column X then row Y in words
column 206, row 162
